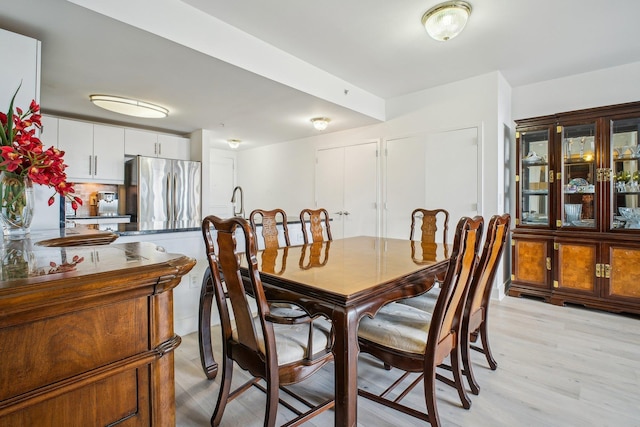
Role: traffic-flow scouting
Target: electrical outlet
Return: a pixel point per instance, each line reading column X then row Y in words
column 193, row 281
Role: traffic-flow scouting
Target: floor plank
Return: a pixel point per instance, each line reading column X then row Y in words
column 557, row 366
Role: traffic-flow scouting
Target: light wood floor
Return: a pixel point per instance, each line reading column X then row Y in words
column 558, row 366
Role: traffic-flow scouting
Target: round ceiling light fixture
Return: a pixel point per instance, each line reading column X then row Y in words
column 128, row 106
column 446, row 20
column 320, row 123
column 234, row 143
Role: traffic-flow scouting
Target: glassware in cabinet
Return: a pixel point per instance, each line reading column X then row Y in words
column 578, row 166
column 534, row 177
column 625, row 179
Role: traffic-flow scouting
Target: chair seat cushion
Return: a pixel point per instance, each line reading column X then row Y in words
column 292, row 340
column 397, row 326
column 425, row 302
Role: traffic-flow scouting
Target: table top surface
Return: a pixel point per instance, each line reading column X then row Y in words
column 347, row 267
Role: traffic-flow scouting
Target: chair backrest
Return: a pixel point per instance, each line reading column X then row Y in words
column 480, row 291
column 429, row 224
column 315, row 218
column 447, row 315
column 224, row 261
column 269, row 223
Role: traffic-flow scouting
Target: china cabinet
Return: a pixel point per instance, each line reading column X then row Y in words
column 577, row 235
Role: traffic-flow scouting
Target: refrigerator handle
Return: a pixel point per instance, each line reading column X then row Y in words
column 175, row 196
column 168, row 198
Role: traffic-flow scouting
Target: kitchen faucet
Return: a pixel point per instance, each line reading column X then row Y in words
column 233, row 200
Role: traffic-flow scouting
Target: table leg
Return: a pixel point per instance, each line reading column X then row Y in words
column 345, row 352
column 209, row 365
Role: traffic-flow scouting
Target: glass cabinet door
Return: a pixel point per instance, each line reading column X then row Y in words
column 578, row 159
column 534, row 177
column 624, row 158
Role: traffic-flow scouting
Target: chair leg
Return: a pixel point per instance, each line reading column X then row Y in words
column 209, row 365
column 225, row 386
column 430, row 396
column 484, row 336
column 466, row 364
column 273, row 398
column 457, row 377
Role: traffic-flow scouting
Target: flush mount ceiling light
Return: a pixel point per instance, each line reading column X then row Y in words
column 130, row 107
column 320, row 123
column 446, row 20
column 234, row 143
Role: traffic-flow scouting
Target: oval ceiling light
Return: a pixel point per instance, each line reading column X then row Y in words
column 320, row 123
column 446, row 20
column 130, row 107
column 234, row 143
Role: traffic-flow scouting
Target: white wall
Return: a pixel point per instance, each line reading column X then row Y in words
column 282, row 175
column 608, row 86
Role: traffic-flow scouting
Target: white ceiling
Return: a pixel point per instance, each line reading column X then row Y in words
column 377, row 48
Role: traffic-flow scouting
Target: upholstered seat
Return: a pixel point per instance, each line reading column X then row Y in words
column 278, row 354
column 415, row 341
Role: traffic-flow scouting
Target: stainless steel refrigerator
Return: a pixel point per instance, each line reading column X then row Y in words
column 163, row 193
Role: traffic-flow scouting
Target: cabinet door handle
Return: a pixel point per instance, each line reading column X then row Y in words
column 346, row 212
column 155, row 148
column 95, row 165
column 338, row 213
column 90, row 164
column 159, row 149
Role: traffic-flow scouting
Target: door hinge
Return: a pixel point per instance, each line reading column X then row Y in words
column 549, row 263
column 555, row 284
column 517, row 134
column 556, row 245
column 598, row 270
column 559, row 176
column 517, row 178
column 517, row 221
column 513, row 277
column 607, row 271
column 550, row 176
column 558, row 129
column 558, row 223
column 513, row 242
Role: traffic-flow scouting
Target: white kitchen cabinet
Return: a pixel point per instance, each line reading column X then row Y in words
column 21, row 67
column 108, row 154
column 173, row 147
column 151, row 144
column 49, row 131
column 93, row 153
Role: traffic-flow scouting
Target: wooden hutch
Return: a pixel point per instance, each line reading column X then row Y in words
column 577, row 234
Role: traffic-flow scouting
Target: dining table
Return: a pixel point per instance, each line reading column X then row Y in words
column 344, row 280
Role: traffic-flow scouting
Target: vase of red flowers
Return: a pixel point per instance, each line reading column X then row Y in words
column 24, row 162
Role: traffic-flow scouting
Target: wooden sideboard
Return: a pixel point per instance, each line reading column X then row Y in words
column 86, row 334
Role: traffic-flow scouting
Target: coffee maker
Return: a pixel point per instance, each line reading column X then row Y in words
column 107, row 203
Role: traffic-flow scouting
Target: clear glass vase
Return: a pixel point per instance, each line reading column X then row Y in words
column 17, row 201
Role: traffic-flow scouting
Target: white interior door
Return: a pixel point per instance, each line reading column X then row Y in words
column 431, row 171
column 221, row 186
column 347, row 187
column 330, row 186
column 452, row 180
column 361, row 190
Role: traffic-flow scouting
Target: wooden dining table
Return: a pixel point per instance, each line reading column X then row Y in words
column 345, row 280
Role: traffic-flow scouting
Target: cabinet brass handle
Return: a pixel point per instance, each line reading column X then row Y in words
column 549, row 263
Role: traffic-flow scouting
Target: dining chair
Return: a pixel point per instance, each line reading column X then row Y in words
column 269, row 224
column 475, row 320
column 275, row 353
column 315, row 217
column 412, row 340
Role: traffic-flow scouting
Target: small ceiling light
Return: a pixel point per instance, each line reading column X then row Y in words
column 446, row 20
column 130, row 107
column 234, row 143
column 320, row 123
